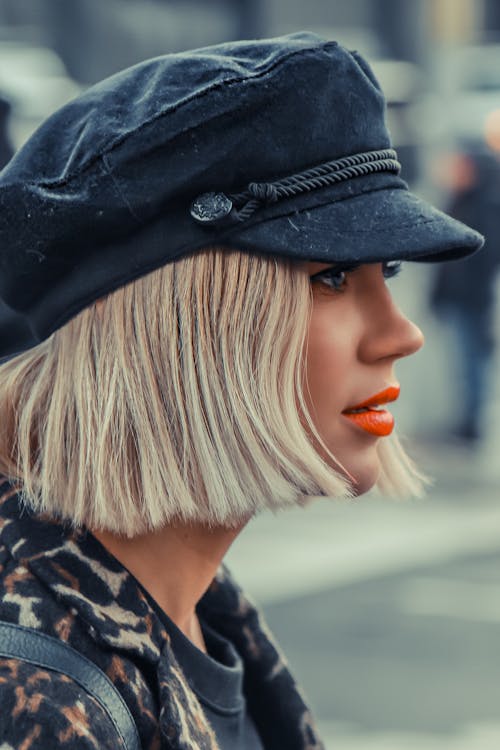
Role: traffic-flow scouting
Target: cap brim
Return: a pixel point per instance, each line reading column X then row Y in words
column 380, row 225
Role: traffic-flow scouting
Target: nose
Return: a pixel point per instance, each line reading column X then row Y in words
column 389, row 334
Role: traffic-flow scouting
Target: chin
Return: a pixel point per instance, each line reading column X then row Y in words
column 360, row 465
column 364, row 478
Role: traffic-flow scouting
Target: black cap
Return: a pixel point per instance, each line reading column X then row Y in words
column 274, row 146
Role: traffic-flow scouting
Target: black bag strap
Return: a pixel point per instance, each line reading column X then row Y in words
column 45, row 651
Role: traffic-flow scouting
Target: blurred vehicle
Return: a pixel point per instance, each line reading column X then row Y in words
column 34, row 80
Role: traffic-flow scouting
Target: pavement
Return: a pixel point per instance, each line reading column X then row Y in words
column 389, row 611
column 328, row 543
column 484, row 737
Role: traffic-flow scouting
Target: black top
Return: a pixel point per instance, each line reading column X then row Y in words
column 217, row 680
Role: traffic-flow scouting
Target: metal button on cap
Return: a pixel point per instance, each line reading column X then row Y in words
column 209, row 208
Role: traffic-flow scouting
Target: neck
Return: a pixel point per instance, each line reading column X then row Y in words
column 176, row 565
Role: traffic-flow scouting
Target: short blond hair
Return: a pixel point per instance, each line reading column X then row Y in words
column 179, row 399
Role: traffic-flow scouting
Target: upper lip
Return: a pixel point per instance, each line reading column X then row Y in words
column 389, row 394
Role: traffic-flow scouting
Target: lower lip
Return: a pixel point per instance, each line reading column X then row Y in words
column 374, row 421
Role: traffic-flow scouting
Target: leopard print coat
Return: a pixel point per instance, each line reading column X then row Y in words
column 66, row 584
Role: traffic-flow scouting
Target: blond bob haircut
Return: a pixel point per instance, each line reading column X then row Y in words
column 177, row 398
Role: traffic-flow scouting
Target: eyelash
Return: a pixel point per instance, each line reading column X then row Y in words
column 390, row 269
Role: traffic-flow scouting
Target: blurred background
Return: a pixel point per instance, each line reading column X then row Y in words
column 388, row 611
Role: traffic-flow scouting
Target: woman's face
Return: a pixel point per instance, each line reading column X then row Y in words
column 355, row 336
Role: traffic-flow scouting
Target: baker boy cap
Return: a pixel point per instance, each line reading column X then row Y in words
column 274, row 146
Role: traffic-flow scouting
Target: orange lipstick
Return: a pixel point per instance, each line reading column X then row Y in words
column 369, row 417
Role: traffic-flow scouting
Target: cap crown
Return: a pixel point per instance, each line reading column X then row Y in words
column 101, row 193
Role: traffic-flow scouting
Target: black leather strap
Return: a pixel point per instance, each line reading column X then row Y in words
column 38, row 648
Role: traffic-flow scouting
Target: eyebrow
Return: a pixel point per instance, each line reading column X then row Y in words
column 347, row 266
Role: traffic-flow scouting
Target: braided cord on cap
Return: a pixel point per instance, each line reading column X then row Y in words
column 211, row 208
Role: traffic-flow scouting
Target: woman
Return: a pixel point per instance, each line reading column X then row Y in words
column 200, row 270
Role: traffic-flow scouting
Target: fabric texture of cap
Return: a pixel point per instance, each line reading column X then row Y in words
column 274, row 146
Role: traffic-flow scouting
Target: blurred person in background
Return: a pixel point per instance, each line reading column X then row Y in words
column 463, row 293
column 6, row 150
column 200, row 257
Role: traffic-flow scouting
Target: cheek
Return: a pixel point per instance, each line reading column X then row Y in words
column 332, row 367
column 331, row 358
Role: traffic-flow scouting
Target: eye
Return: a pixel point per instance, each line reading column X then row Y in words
column 335, row 277
column 391, row 268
